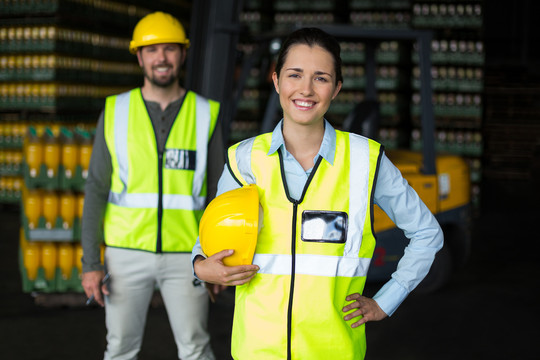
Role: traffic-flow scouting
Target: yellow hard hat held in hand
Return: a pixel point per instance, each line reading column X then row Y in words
column 157, row 28
column 232, row 221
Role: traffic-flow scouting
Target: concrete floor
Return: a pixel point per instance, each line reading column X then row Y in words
column 489, row 310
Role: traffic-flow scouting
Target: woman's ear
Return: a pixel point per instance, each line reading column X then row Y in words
column 337, row 89
column 275, row 80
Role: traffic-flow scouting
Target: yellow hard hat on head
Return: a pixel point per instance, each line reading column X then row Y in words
column 157, row 28
column 231, row 221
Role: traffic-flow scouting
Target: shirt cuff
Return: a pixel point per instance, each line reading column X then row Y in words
column 92, row 267
column 197, row 251
column 390, row 296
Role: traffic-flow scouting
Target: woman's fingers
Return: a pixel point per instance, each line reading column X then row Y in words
column 366, row 308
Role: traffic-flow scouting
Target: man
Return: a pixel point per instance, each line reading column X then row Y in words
column 157, row 155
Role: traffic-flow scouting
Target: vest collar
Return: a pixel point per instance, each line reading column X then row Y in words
column 328, row 145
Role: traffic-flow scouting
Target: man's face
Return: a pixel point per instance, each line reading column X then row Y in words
column 161, row 63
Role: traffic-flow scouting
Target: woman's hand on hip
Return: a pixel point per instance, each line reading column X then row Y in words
column 366, row 308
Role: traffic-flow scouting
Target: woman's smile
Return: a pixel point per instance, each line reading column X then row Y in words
column 306, row 85
column 304, row 104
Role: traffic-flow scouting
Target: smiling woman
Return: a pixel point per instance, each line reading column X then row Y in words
column 317, row 188
column 307, row 79
column 306, row 85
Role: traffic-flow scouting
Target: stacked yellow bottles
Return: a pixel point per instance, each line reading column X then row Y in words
column 51, row 154
column 70, row 154
column 57, row 157
column 10, row 189
column 32, row 270
column 50, row 266
column 31, row 254
column 49, row 259
column 67, row 209
column 65, row 259
column 55, row 163
column 52, row 214
column 85, row 151
column 50, row 208
column 33, row 153
column 32, row 207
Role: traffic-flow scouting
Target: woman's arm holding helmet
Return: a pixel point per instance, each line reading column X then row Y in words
column 211, row 269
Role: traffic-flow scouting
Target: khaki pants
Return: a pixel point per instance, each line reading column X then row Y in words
column 134, row 276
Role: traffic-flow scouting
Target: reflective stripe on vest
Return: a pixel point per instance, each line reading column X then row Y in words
column 186, row 202
column 309, row 264
column 292, row 308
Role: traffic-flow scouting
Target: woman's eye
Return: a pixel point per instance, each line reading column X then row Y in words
column 294, row 75
column 322, row 79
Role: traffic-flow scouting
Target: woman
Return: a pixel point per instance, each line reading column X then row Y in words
column 301, row 298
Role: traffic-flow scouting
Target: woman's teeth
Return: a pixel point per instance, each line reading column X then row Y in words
column 304, row 103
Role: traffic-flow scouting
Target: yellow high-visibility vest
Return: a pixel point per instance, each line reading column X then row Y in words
column 312, row 253
column 156, row 200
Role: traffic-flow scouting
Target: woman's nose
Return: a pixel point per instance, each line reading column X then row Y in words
column 307, row 87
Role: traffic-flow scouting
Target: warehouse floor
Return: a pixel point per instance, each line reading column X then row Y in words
column 488, row 310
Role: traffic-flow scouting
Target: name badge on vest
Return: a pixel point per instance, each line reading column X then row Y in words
column 324, row 226
column 179, row 159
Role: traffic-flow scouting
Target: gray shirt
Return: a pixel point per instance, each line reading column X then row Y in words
column 98, row 182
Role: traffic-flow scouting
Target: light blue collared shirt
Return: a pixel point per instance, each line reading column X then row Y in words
column 392, row 194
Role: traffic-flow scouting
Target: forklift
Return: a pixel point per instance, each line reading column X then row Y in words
column 441, row 180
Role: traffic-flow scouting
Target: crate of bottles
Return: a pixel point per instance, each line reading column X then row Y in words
column 451, row 105
column 50, row 96
column 353, row 52
column 10, row 162
column 454, row 51
column 52, row 38
column 10, row 189
column 447, row 15
column 51, row 214
column 57, row 160
column 50, row 266
column 20, row 67
column 12, row 134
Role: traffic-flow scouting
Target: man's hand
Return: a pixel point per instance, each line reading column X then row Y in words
column 214, row 290
column 213, row 270
column 366, row 307
column 91, row 282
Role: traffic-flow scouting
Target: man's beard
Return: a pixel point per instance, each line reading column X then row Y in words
column 174, row 78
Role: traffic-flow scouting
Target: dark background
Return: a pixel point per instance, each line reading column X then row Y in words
column 489, row 310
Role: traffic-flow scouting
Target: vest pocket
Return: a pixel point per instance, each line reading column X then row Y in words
column 324, row 226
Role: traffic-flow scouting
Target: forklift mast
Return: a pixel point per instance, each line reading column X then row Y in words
column 210, row 67
column 215, row 29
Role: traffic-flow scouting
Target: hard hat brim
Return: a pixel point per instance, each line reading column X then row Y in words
column 133, row 46
column 232, row 221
